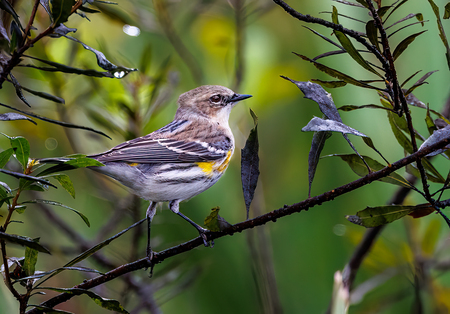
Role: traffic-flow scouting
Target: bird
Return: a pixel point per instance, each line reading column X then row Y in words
column 180, row 160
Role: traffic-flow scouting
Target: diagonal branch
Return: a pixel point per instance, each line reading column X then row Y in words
column 248, row 224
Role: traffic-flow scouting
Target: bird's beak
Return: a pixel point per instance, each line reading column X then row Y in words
column 239, row 97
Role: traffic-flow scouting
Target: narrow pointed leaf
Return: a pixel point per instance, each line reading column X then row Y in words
column 330, row 84
column 441, row 30
column 447, row 11
column 45, row 95
column 381, row 215
column 348, row 46
column 420, row 82
column 49, row 310
column 354, row 107
column 66, row 183
column 319, row 125
column 404, row 44
column 18, row 88
column 250, row 164
column 24, row 241
column 368, row 141
column 358, row 167
column 6, row 5
column 46, row 202
column 12, row 116
column 318, row 142
column 430, row 123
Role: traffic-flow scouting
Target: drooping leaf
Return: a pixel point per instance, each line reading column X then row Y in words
column 24, row 241
column 337, row 74
column 66, row 183
column 31, row 256
column 45, row 95
column 5, row 156
column 26, row 177
column 319, row 125
column 441, row 30
column 109, row 304
column 250, row 164
column 46, row 202
column 16, row 41
column 65, row 124
column 12, row 116
column 316, row 93
column 116, row 71
column 214, row 222
column 348, row 46
column 381, row 215
column 360, row 169
column 318, row 142
column 62, row 30
column 404, row 44
column 61, row 10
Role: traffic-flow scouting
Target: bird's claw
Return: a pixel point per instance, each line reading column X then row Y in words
column 204, row 237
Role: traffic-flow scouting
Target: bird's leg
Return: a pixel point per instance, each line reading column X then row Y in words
column 151, row 211
column 175, row 207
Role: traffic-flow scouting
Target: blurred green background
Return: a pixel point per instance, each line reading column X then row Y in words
column 293, row 268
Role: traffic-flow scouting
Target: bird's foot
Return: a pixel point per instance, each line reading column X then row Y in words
column 203, row 234
column 150, row 255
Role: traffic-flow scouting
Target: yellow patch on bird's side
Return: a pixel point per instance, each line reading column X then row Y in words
column 209, row 166
column 206, row 166
column 132, row 164
column 224, row 165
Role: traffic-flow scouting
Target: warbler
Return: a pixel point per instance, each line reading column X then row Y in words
column 183, row 158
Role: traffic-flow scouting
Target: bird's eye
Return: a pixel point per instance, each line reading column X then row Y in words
column 216, row 99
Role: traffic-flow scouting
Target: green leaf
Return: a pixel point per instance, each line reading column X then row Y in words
column 22, row 149
column 431, row 237
column 24, row 241
column 4, row 197
column 109, row 304
column 5, row 156
column 372, row 34
column 358, row 167
column 404, row 44
column 354, row 107
column 381, row 215
column 49, row 310
column 441, row 31
column 29, row 263
column 61, row 10
column 66, row 183
column 429, row 122
column 368, row 141
column 84, row 162
column 330, row 84
column 46, row 202
column 214, row 222
column 6, row 5
column 348, row 46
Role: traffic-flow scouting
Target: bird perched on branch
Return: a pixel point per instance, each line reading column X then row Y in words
column 180, row 160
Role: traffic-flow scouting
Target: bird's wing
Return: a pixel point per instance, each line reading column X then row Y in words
column 150, row 150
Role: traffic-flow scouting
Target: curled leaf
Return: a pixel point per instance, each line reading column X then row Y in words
column 319, row 125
